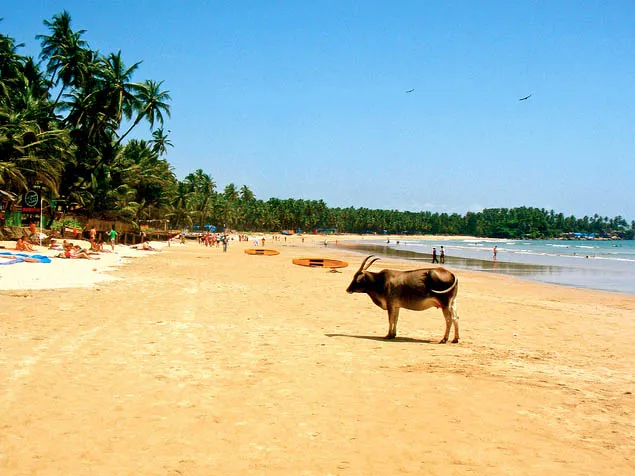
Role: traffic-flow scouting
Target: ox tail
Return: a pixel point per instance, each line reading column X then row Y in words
column 456, row 281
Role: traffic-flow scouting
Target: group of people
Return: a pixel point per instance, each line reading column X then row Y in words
column 440, row 258
column 69, row 250
column 23, row 244
column 210, row 239
column 99, row 245
column 213, row 239
column 262, row 242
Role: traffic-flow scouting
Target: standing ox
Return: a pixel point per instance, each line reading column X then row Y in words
column 417, row 290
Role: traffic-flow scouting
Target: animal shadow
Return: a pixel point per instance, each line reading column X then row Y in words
column 381, row 339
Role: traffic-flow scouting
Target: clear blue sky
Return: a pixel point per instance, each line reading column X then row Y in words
column 307, row 99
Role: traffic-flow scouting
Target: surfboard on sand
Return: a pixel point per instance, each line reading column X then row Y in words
column 261, row 251
column 320, row 262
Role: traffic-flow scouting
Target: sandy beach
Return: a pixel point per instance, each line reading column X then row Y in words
column 192, row 361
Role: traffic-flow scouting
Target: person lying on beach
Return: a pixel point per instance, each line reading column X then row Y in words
column 23, row 245
column 69, row 254
column 145, row 246
column 79, row 249
column 55, row 245
column 74, row 252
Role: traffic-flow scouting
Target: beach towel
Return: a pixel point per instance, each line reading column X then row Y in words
column 26, row 257
column 11, row 261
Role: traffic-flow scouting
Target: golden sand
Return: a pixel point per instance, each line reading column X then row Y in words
column 197, row 362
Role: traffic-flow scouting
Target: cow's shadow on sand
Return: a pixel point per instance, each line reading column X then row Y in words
column 381, row 339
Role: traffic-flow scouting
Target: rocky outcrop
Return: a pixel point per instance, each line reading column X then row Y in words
column 13, row 232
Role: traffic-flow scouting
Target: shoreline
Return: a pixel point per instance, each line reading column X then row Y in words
column 87, row 273
column 596, row 273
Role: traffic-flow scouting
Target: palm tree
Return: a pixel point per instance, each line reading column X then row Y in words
column 32, row 155
column 202, row 188
column 65, row 51
column 11, row 65
column 160, row 142
column 150, row 103
column 32, row 149
column 115, row 90
column 246, row 195
column 231, row 208
column 231, row 193
column 180, row 206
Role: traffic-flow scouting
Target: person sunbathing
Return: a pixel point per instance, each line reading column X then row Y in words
column 81, row 254
column 100, row 247
column 73, row 252
column 23, row 245
column 55, row 246
column 79, row 249
column 94, row 246
column 145, row 246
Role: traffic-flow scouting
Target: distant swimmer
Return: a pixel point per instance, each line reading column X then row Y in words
column 409, row 91
column 525, row 98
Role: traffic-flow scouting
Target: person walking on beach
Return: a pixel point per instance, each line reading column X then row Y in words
column 434, row 255
column 113, row 237
column 442, row 255
column 494, row 253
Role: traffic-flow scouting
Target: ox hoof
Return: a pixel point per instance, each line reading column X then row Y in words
column 390, row 336
column 455, row 341
column 443, row 341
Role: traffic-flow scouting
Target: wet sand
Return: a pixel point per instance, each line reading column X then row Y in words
column 199, row 362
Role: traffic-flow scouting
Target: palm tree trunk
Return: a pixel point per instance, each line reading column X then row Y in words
column 134, row 124
column 57, row 99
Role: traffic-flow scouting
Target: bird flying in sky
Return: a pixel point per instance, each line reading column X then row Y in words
column 525, row 98
column 410, row 90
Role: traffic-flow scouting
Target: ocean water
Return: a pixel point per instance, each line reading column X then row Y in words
column 603, row 265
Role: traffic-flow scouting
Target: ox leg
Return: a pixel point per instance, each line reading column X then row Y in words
column 447, row 314
column 393, row 317
column 455, row 319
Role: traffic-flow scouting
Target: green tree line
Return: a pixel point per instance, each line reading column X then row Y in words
column 64, row 121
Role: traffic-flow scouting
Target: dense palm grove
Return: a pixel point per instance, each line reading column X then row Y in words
column 63, row 123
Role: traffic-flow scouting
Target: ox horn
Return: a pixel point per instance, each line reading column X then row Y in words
column 361, row 267
column 365, row 266
column 371, row 262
